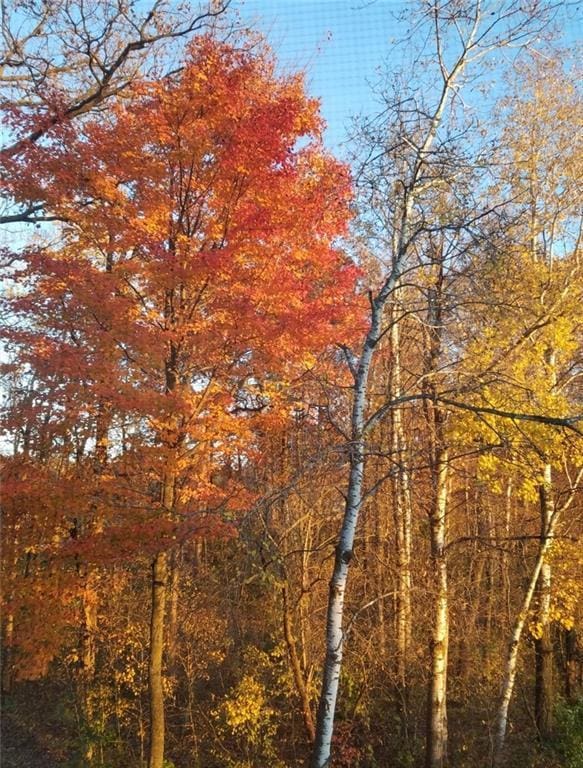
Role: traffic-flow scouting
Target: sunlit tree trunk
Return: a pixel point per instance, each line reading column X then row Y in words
column 378, row 508
column 437, row 733
column 514, row 647
column 296, row 666
column 401, row 500
column 155, row 668
column 543, row 645
column 504, row 575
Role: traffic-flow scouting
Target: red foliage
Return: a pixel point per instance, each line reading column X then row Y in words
column 194, row 275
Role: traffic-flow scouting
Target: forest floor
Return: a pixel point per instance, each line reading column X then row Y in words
column 19, row 748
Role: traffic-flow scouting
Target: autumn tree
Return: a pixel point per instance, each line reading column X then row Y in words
column 218, row 228
column 62, row 60
column 529, row 355
column 411, row 161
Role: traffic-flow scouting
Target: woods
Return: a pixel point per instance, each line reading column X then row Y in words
column 292, row 451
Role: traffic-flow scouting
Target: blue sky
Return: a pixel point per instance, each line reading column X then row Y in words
column 342, row 43
column 338, row 43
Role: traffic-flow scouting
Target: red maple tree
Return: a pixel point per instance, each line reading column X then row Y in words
column 194, row 274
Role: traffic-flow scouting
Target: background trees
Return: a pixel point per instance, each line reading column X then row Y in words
column 186, row 397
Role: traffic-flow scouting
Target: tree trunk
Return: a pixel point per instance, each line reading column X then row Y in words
column 89, row 629
column 573, row 667
column 513, row 649
column 334, row 619
column 159, row 587
column 401, row 514
column 90, row 620
column 173, row 596
column 90, row 624
column 543, row 645
column 467, row 640
column 90, row 580
column 379, row 553
column 8, row 618
column 337, row 590
column 160, row 577
column 296, row 666
column 7, row 665
column 437, row 735
column 504, row 573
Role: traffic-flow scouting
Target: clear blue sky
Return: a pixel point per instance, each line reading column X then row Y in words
column 341, row 44
column 338, row 43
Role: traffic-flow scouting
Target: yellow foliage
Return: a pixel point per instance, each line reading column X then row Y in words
column 246, row 719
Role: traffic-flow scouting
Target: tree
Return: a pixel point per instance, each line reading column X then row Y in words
column 410, row 163
column 525, row 352
column 62, row 60
column 212, row 296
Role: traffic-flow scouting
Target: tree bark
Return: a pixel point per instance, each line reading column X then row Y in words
column 401, row 514
column 543, row 645
column 437, row 732
column 296, row 666
column 155, row 676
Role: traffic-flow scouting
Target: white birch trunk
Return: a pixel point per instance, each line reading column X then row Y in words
column 543, row 706
column 334, row 621
column 514, row 647
column 437, row 735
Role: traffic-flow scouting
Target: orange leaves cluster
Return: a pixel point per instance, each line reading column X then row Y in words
column 195, row 271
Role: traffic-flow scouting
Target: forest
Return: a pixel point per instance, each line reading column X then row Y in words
column 291, row 450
